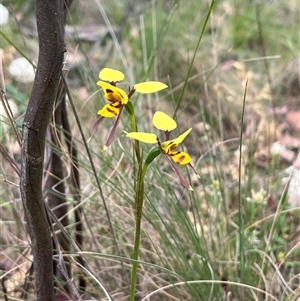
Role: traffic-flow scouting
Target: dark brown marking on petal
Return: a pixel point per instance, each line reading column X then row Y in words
column 112, row 111
column 173, row 154
column 173, row 145
column 116, row 104
column 120, row 94
column 110, row 97
column 180, row 159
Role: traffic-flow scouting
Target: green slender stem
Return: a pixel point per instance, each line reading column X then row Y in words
column 139, row 196
column 130, row 110
column 241, row 202
column 139, row 201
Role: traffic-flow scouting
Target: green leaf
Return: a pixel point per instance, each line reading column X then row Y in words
column 152, row 155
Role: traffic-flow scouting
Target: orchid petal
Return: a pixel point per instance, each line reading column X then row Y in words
column 113, row 93
column 143, row 137
column 149, row 87
column 180, row 138
column 171, row 144
column 181, row 158
column 195, row 171
column 163, row 122
column 111, row 75
column 111, row 136
column 182, row 180
column 110, row 110
column 95, row 127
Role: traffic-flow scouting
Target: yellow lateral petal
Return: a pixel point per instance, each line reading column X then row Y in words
column 143, row 137
column 149, row 87
column 180, row 138
column 170, row 145
column 181, row 158
column 113, row 93
column 111, row 75
column 163, row 122
column 109, row 111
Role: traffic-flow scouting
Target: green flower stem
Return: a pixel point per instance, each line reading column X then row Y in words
column 139, row 201
column 139, row 196
column 130, row 110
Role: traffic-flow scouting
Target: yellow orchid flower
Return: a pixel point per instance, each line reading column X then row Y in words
column 168, row 147
column 118, row 98
column 113, row 93
column 164, row 122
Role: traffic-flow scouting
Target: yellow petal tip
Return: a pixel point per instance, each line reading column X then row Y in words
column 105, row 148
column 163, row 122
column 143, row 137
column 191, row 188
column 111, row 75
column 150, row 87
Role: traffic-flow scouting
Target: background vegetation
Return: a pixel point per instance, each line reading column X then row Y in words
column 237, row 235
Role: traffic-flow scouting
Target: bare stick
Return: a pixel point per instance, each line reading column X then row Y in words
column 51, row 49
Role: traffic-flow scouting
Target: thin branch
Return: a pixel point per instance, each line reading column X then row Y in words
column 51, row 50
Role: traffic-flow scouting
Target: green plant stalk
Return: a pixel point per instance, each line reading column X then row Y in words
column 130, row 110
column 139, row 196
column 139, row 201
column 241, row 202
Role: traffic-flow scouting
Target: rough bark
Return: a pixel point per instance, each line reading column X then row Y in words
column 51, row 49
